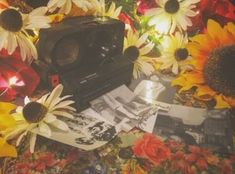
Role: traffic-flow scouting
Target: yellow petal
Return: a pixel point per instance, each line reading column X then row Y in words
column 6, row 108
column 221, row 103
column 180, row 81
column 231, row 28
column 230, row 100
column 205, row 90
column 7, row 150
column 6, row 121
column 214, row 29
column 56, row 17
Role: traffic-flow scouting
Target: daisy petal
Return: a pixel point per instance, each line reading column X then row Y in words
column 44, row 129
column 63, row 113
column 60, row 125
column 54, row 94
column 32, row 142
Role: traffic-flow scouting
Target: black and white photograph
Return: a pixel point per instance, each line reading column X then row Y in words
column 122, row 107
column 208, row 128
column 87, row 131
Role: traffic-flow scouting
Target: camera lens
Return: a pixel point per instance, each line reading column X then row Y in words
column 66, row 51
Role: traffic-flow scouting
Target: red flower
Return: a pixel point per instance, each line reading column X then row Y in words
column 201, row 157
column 16, row 78
column 219, row 10
column 127, row 20
column 179, row 163
column 226, row 167
column 144, row 5
column 152, row 148
column 232, row 158
column 174, row 145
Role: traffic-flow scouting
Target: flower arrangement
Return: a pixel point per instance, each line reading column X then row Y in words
column 191, row 40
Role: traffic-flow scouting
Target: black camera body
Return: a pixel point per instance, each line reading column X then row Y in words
column 85, row 54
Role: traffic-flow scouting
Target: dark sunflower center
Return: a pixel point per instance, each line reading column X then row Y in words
column 132, row 53
column 181, row 54
column 219, row 70
column 11, row 20
column 172, row 6
column 34, row 112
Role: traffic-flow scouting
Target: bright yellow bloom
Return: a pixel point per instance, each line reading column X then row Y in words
column 7, row 150
column 6, row 120
column 213, row 56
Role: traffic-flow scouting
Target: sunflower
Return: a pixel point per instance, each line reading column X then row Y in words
column 213, row 58
column 174, row 52
column 40, row 115
column 65, row 6
column 171, row 14
column 6, row 121
column 13, row 26
column 135, row 48
column 112, row 11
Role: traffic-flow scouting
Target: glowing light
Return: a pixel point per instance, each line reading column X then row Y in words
column 162, row 27
column 14, row 81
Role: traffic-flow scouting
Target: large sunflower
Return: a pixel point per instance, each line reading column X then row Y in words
column 171, row 14
column 214, row 60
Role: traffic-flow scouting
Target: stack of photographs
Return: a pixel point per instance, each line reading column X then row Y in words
column 87, row 131
column 122, row 108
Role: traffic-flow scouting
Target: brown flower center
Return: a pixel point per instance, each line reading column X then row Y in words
column 172, row 6
column 132, row 53
column 11, row 20
column 181, row 54
column 34, row 112
column 219, row 70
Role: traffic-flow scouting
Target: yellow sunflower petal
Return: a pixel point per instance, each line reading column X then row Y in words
column 230, row 100
column 183, row 83
column 7, row 150
column 231, row 28
column 6, row 107
column 214, row 28
column 205, row 90
column 220, row 102
column 6, row 121
column 180, row 81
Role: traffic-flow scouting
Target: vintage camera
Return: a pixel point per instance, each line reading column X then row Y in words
column 85, row 55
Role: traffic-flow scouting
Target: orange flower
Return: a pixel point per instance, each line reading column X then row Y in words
column 151, row 148
column 179, row 163
column 213, row 59
column 131, row 166
column 201, row 157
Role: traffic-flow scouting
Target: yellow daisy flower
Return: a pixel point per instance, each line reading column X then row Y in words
column 172, row 14
column 136, row 45
column 40, row 115
column 13, row 26
column 213, row 57
column 174, row 52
